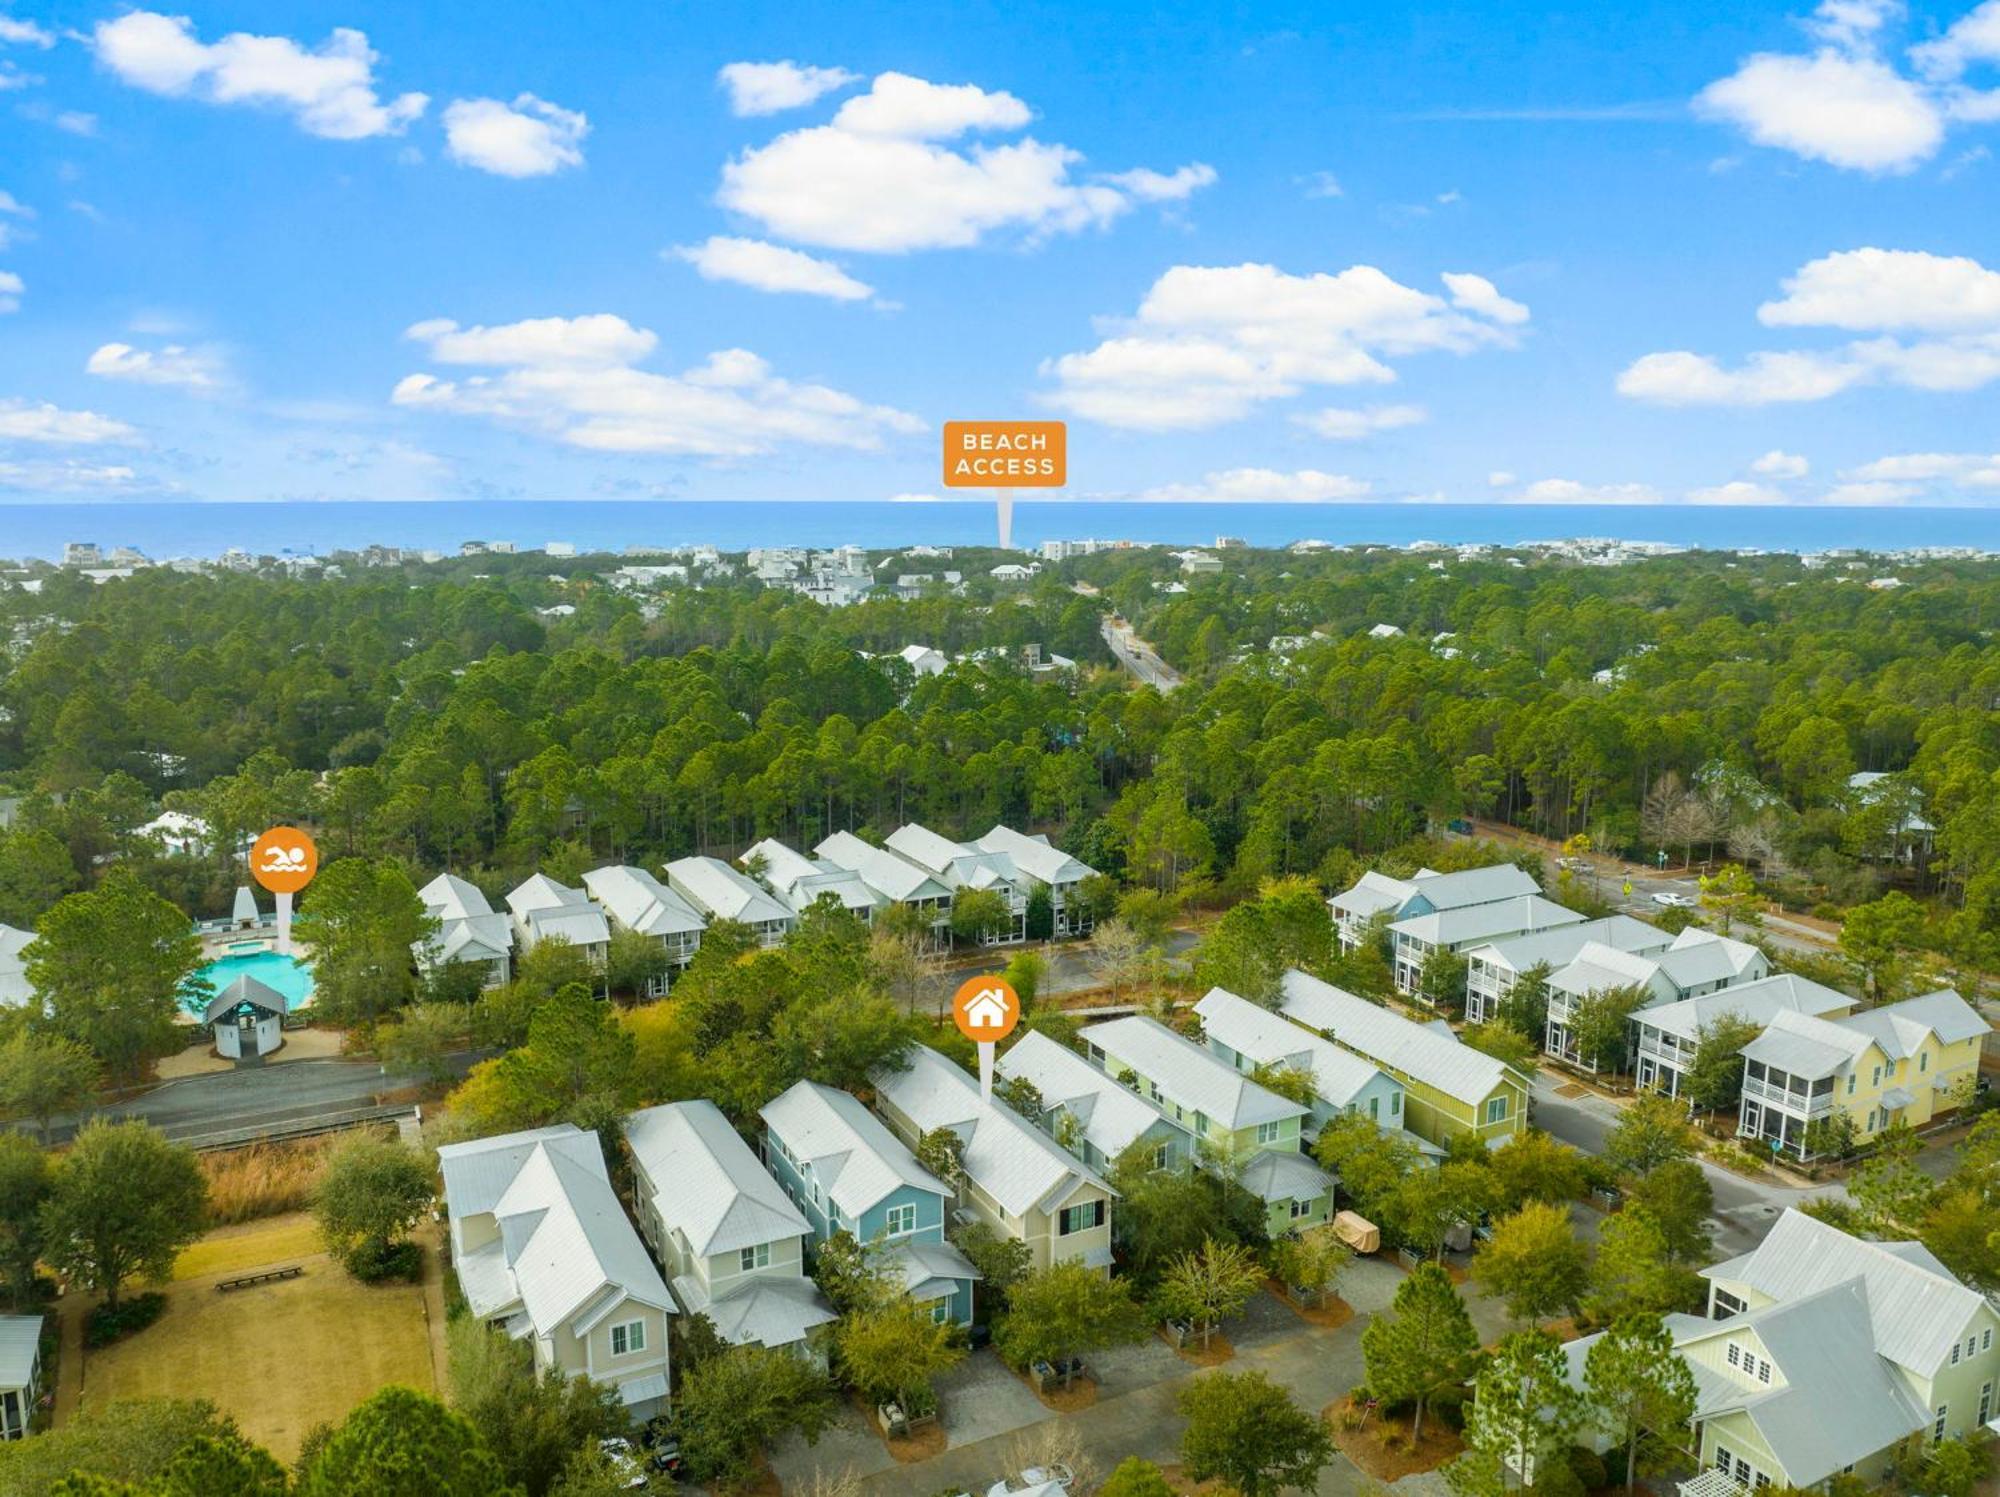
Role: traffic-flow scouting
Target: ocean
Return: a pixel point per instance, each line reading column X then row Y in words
column 165, row 530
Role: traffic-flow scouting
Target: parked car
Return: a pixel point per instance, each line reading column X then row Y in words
column 1459, row 825
column 629, row 1474
column 1052, row 1480
column 1674, row 901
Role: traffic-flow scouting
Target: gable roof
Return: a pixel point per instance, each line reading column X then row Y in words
column 855, row 1157
column 1035, row 856
column 1190, row 1075
column 1597, row 968
column 1339, row 1076
column 1112, row 1117
column 20, row 1349
column 1698, row 957
column 246, row 989
column 14, row 987
column 1470, row 886
column 772, row 1309
column 722, row 893
column 799, row 880
column 706, row 1182
column 450, row 897
column 1273, row 1175
column 1557, row 945
column 640, row 902
column 1759, row 1002
column 962, row 865
column 1917, row 1308
column 540, row 892
column 1489, row 918
column 1005, row 1155
column 1393, row 1042
column 1900, row 1028
column 894, row 877
column 1806, row 1046
column 1371, row 894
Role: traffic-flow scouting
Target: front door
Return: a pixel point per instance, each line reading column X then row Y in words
column 246, row 1034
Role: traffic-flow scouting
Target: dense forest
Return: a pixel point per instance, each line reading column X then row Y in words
column 1709, row 705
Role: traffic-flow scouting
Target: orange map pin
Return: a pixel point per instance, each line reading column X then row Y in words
column 986, row 1009
column 284, row 860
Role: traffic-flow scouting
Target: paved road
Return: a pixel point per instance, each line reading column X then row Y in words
column 1138, row 657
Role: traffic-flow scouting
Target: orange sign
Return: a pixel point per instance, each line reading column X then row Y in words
column 1006, row 454
column 284, row 860
column 986, row 1009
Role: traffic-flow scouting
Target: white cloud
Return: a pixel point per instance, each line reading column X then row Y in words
column 1738, row 491
column 878, row 179
column 1851, row 23
column 329, row 90
column 769, row 87
column 1569, row 491
column 23, row 421
column 1934, row 477
column 1849, row 111
column 11, row 77
column 1320, row 185
column 185, row 368
column 1260, row 486
column 18, row 33
column 1499, row 478
column 1341, row 424
column 1476, row 294
column 11, row 207
column 1149, row 186
column 574, row 380
column 75, row 122
column 1878, row 290
column 12, row 288
column 67, row 477
column 1682, row 378
column 1872, row 493
column 527, row 138
column 1778, row 463
column 1972, row 39
column 1210, row 342
column 770, row 267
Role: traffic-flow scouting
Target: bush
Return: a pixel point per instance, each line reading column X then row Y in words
column 1588, row 1467
column 264, row 1179
column 380, row 1263
column 105, row 1325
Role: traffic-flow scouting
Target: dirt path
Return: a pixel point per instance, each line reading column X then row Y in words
column 432, row 1238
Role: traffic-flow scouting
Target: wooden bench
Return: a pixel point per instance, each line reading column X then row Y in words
column 269, row 1276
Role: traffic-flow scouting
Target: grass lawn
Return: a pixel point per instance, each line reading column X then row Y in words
column 280, row 1357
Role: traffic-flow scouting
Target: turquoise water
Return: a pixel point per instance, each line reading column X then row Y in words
column 289, row 977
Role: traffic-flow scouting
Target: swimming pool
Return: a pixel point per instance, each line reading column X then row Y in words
column 293, row 979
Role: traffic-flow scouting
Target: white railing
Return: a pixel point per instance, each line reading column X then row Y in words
column 1798, row 1104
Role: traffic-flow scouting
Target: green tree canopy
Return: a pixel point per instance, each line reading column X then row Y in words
column 124, row 1203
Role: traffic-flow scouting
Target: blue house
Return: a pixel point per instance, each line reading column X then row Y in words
column 848, row 1173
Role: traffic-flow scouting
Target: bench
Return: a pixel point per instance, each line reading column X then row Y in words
column 269, row 1276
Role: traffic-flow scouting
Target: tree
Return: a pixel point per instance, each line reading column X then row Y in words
column 124, row 1204
column 850, row 1274
column 576, row 1054
column 1116, row 954
column 1600, row 1026
column 402, row 1443
column 1650, row 1132
column 132, row 1440
column 530, row 1421
column 1310, row 1261
column 1135, row 1477
column 1062, row 1311
column 1875, row 938
column 1002, row 1263
column 1370, row 1163
column 362, row 919
column 1731, row 893
column 1441, row 981
column 734, row 1406
column 111, row 966
column 1677, row 1199
column 1533, row 1261
column 422, row 1038
column 1635, row 1381
column 1209, row 1285
column 1534, row 1166
column 1525, row 1009
column 1427, row 1203
column 1423, row 1346
column 43, row 1074
column 372, row 1192
column 25, row 1181
column 1524, row 1411
column 893, row 1351
column 1889, row 1188
column 1713, row 1080
column 942, row 1152
column 1953, row 1468
column 1505, row 1044
column 978, row 915
column 1245, row 1430
column 1167, row 1212
column 1250, row 947
column 1631, row 1274
column 634, row 962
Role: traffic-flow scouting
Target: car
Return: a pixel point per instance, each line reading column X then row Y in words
column 624, row 1462
column 1674, row 901
column 1574, row 865
column 1052, row 1480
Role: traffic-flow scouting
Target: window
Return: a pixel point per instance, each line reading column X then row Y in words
column 1971, row 1345
column 900, row 1221
column 1986, row 1339
column 1850, row 1084
column 1878, row 1077
column 1201, row 1125
column 628, row 1338
column 1735, row 1355
column 1954, row 1354
column 1301, row 1208
column 941, row 1312
column 1080, row 1218
column 1374, row 1105
column 1924, row 1061
column 1985, row 1402
column 1722, row 1459
column 1937, row 1429
column 1726, row 1305
column 1267, row 1133
column 1496, row 1110
column 1161, row 1154
column 756, row 1257
column 1763, row 1371
column 1395, row 1104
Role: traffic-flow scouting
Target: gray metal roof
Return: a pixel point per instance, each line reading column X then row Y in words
column 1371, row 894
column 1189, row 1075
column 1112, row 1117
column 722, row 893
column 1558, row 945
column 1006, row 1156
column 1805, row 1046
column 1469, row 886
column 14, row 987
column 857, row 1160
column 1900, row 1028
column 1339, row 1076
column 1276, row 1175
column 893, row 876
column 246, row 989
column 20, row 1349
column 801, row 881
column 774, row 1310
column 929, row 1270
column 640, row 902
column 1701, row 957
column 1393, row 1042
column 962, row 865
column 1034, row 856
column 1759, row 1002
column 1486, row 921
column 703, row 1179
column 450, row 897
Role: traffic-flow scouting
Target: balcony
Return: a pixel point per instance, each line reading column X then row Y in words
column 1797, row 1103
column 1665, row 1048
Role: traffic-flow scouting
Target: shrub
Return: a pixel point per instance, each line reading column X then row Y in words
column 1588, row 1467
column 107, row 1324
column 264, row 1179
column 393, row 1262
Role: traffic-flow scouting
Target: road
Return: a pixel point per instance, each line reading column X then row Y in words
column 1138, row 657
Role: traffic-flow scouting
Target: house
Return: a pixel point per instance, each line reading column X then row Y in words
column 964, row 865
column 1385, row 631
column 847, row 1172
column 1088, row 1112
column 1009, row 571
column 1248, row 1036
column 544, row 1251
column 468, row 931
column 1698, row 962
column 801, row 881
column 1018, row 1181
column 1493, row 970
column 1200, row 564
column 1415, row 938
column 1669, row 1035
column 1378, row 896
column 248, row 1018
column 1231, row 1116
column 895, row 878
column 726, row 1231
column 179, row 833
column 635, row 901
column 1901, row 1063
column 1910, row 836
column 719, row 892
column 15, row 989
column 1449, row 1087
column 921, row 659
column 546, row 910
column 1049, row 868
column 20, row 1373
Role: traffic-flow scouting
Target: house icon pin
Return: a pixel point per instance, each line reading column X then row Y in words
column 988, row 1009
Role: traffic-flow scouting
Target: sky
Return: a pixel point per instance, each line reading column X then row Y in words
column 1480, row 253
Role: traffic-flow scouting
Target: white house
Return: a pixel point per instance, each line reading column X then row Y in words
column 1378, row 895
column 1698, row 962
column 719, row 892
column 468, row 930
column 1047, row 867
column 922, row 659
column 1493, row 970
column 546, row 910
column 965, row 865
column 1087, row 1111
column 894, row 877
column 1414, row 938
column 248, row 1018
column 180, row 834
column 20, row 1372
column 544, row 1251
column 636, row 901
column 801, row 881
column 15, row 991
column 1669, row 1035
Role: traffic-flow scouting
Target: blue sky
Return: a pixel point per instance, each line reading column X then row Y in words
column 1485, row 253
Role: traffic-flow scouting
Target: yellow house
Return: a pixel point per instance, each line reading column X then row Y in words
column 1449, row 1087
column 1905, row 1062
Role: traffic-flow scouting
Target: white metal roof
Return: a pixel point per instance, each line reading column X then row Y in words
column 450, row 897
column 895, row 877
column 1339, row 1076
column 246, row 989
column 640, row 902
column 774, row 1310
column 800, row 881
column 703, row 1179
column 1900, row 1028
column 1009, row 1158
column 1805, row 1046
column 1112, row 1117
column 1189, row 1075
column 1597, row 968
column 1371, row 894
column 1486, row 921
column 1701, row 956
column 1034, row 856
column 962, row 865
column 579, row 924
column 857, row 1160
column 20, row 1348
column 1393, row 1042
column 1469, row 886
column 540, row 892
column 722, row 893
column 1759, row 1002
column 1280, row 1175
column 14, row 988
column 1559, row 945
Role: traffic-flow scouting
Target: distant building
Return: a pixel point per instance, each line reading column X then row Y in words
column 719, row 892
column 82, row 554
column 636, row 901
column 546, row 910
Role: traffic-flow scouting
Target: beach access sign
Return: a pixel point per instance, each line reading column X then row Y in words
column 1006, row 454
